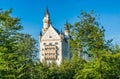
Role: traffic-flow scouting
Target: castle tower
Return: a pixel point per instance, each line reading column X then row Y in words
column 46, row 21
column 67, row 30
column 54, row 45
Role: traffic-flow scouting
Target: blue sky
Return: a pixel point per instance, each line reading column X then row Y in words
column 31, row 13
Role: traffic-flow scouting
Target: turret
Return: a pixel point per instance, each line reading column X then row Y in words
column 67, row 30
column 46, row 21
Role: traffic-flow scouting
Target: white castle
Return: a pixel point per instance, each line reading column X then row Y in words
column 54, row 44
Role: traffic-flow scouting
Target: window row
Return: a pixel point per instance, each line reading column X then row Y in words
column 50, row 54
column 56, row 43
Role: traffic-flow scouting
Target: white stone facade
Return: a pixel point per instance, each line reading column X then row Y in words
column 54, row 45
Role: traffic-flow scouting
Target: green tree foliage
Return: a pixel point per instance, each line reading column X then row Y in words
column 106, row 68
column 18, row 52
column 88, row 38
column 16, row 49
column 87, row 35
column 69, row 68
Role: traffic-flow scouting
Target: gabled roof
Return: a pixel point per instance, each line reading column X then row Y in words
column 56, row 30
column 51, row 31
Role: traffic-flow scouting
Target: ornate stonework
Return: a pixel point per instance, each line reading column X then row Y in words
column 54, row 45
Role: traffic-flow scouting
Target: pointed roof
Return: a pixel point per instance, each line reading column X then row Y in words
column 66, row 26
column 55, row 29
column 51, row 31
column 46, row 12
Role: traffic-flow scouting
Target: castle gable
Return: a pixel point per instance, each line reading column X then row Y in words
column 51, row 34
column 54, row 45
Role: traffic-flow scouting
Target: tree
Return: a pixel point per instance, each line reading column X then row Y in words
column 27, row 54
column 88, row 36
column 106, row 68
column 16, row 49
column 8, row 32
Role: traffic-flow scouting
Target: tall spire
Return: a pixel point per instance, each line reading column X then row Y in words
column 46, row 20
column 46, row 12
column 66, row 30
column 66, row 26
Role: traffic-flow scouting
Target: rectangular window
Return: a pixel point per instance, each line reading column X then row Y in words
column 44, row 43
column 56, row 43
column 50, row 43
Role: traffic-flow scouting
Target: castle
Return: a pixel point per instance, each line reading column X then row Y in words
column 54, row 44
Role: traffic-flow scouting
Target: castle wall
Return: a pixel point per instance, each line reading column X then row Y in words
column 57, row 44
column 53, row 44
